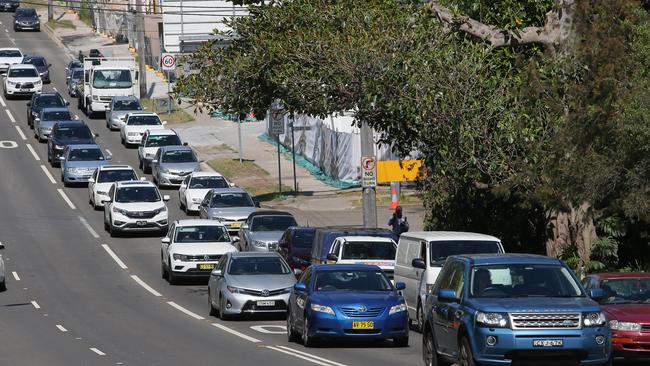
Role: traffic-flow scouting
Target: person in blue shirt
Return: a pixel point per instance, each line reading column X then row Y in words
column 398, row 222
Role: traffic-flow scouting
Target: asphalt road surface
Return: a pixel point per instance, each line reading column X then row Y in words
column 78, row 297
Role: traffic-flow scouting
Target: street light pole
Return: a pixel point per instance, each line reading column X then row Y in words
column 141, row 49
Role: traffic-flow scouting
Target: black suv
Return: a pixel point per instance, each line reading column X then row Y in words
column 9, row 5
column 27, row 19
column 43, row 100
column 64, row 134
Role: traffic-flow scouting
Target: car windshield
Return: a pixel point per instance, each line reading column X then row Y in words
column 85, row 155
column 35, row 61
column 127, row 105
column 258, row 266
column 23, row 73
column 162, row 140
column 148, row 120
column 75, row 64
column 49, row 101
column 523, row 280
column 179, row 156
column 440, row 250
column 106, row 176
column 137, row 194
column 81, row 132
column 303, row 239
column 626, row 291
column 200, row 234
column 354, row 280
column 25, row 12
column 231, row 200
column 10, row 53
column 77, row 74
column 368, row 250
column 109, row 79
column 272, row 223
column 208, row 182
column 57, row 116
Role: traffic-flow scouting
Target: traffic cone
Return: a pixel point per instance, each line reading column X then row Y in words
column 394, row 195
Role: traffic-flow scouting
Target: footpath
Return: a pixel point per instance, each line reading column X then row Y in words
column 216, row 140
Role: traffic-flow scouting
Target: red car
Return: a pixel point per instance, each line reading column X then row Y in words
column 627, row 306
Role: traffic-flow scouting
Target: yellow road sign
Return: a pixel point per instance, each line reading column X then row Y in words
column 398, row 170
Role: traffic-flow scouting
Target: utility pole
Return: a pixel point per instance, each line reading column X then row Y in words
column 141, row 49
column 369, row 193
column 181, row 45
column 50, row 11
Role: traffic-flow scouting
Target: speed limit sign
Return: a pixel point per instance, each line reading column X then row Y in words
column 168, row 61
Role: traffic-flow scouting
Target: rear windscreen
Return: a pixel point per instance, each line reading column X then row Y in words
column 440, row 250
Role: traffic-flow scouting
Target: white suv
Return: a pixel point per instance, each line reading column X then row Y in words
column 22, row 79
column 136, row 124
column 193, row 248
column 102, row 180
column 135, row 206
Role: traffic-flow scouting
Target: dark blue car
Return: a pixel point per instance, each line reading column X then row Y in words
column 521, row 309
column 346, row 301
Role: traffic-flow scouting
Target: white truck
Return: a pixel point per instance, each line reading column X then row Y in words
column 105, row 78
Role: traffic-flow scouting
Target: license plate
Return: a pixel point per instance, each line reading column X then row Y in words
column 207, row 266
column 363, row 325
column 141, row 223
column 266, row 303
column 236, row 225
column 548, row 343
column 24, row 89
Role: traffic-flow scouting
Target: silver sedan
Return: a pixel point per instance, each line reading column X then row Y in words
column 250, row 283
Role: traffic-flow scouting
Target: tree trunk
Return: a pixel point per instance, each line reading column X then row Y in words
column 574, row 226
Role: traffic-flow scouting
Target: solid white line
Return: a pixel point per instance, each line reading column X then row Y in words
column 114, row 256
column 88, row 227
column 21, row 133
column 312, row 356
column 98, row 351
column 2, row 101
column 48, row 174
column 66, row 199
column 183, row 310
column 11, row 116
column 145, row 286
column 36, row 305
column 34, row 154
column 15, row 275
column 54, row 87
column 234, row 332
column 299, row 356
column 61, row 328
column 109, row 152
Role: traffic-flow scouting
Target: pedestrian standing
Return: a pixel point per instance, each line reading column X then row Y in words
column 398, row 222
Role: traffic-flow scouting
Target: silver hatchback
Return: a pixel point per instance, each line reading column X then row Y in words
column 250, row 283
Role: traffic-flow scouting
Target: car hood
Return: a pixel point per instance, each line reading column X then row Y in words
column 27, row 19
column 85, row 164
column 638, row 313
column 534, row 304
column 217, row 248
column 30, row 79
column 262, row 282
column 181, row 167
column 139, row 206
column 142, row 129
column 352, row 298
column 266, row 236
column 232, row 213
column 11, row 60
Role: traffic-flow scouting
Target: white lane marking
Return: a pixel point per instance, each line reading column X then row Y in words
column 109, row 152
column 11, row 116
column 88, row 227
column 299, row 356
column 21, row 133
column 36, row 305
column 98, row 351
column 48, row 174
column 263, row 329
column 145, row 286
column 114, row 256
column 2, row 101
column 7, row 144
column 185, row 311
column 66, row 199
column 312, row 356
column 54, row 87
column 234, row 332
column 34, row 154
column 61, row 328
column 16, row 277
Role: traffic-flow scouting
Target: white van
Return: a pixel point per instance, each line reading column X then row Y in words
column 370, row 250
column 420, row 256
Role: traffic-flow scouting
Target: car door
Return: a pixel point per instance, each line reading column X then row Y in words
column 219, row 281
column 447, row 315
column 91, row 184
column 165, row 246
column 299, row 298
column 205, row 205
column 183, row 189
column 244, row 232
column 109, row 205
column 155, row 163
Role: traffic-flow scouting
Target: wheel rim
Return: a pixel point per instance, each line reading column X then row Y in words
column 428, row 350
column 463, row 359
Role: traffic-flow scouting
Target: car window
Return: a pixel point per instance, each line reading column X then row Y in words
column 303, row 238
column 10, row 53
column 306, row 277
column 35, row 61
column 179, row 156
column 85, row 155
column 626, row 291
column 208, row 182
column 57, row 116
column 148, row 120
column 137, row 194
column 440, row 250
column 352, row 280
column 51, row 101
column 368, row 250
column 74, row 132
column 77, row 74
column 162, row 140
column 127, row 105
column 106, row 176
column 22, row 73
column 272, row 223
column 201, row 233
column 524, row 280
column 231, row 200
column 258, row 266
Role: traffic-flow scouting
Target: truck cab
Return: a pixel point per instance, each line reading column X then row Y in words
column 105, row 78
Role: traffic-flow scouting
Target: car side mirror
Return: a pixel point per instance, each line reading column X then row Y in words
column 109, row 157
column 143, row 178
column 39, row 15
column 91, row 180
column 419, row 263
column 164, row 122
column 106, row 201
column 185, row 144
column 399, row 286
column 244, row 226
column 29, row 104
column 216, row 273
column 231, row 184
column 235, row 239
column 166, row 197
column 297, row 271
column 597, row 293
column 154, row 161
column 107, row 108
column 283, row 245
column 165, row 240
column 49, row 65
column 61, row 158
column 257, row 204
column 96, row 134
column 332, row 257
column 300, row 286
column 447, row 295
column 67, row 103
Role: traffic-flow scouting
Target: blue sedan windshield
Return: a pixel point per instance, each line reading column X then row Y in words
column 359, row 280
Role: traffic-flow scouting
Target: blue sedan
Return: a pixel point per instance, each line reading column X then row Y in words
column 346, row 301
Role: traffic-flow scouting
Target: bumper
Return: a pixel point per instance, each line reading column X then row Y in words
column 242, row 303
column 390, row 326
column 98, row 106
column 631, row 344
column 578, row 344
column 134, row 140
column 116, row 123
column 169, row 179
column 193, row 206
column 11, row 90
column 193, row 269
column 44, row 133
column 77, row 177
column 159, row 222
column 46, row 78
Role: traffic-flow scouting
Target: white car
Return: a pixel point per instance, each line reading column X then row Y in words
column 136, row 124
column 22, row 79
column 196, row 185
column 10, row 56
column 3, row 283
column 193, row 248
column 152, row 140
column 102, row 180
column 134, row 206
column 370, row 250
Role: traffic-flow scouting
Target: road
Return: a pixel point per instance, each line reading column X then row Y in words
column 78, row 297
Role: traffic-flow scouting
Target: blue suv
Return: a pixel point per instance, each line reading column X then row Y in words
column 489, row 309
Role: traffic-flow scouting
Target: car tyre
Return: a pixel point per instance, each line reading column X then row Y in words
column 171, row 277
column 183, row 207
column 3, row 286
column 292, row 335
column 213, row 311
column 307, row 340
column 222, row 306
column 419, row 318
column 163, row 270
column 465, row 357
column 429, row 351
column 401, row 342
column 113, row 231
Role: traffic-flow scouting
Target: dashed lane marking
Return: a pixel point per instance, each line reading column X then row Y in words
column 312, row 356
column 66, row 199
column 34, row 154
column 11, row 116
column 185, row 311
column 98, row 351
column 48, row 174
column 301, row 355
column 114, row 256
column 61, row 328
column 236, row 333
column 145, row 286
column 21, row 133
column 2, row 101
column 16, row 277
column 88, row 227
column 36, row 305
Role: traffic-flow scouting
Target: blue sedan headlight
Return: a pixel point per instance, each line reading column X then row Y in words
column 397, row 309
column 322, row 309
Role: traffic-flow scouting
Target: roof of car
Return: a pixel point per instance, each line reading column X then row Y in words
column 142, row 113
column 10, row 49
column 159, row 131
column 609, row 275
column 174, row 148
column 196, row 222
column 74, row 123
column 22, row 66
column 206, row 174
column 135, row 183
column 83, row 146
column 488, row 259
column 270, row 213
column 254, row 254
column 228, row 190
column 345, row 267
column 115, row 167
column 367, row 238
column 55, row 109
column 448, row 236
